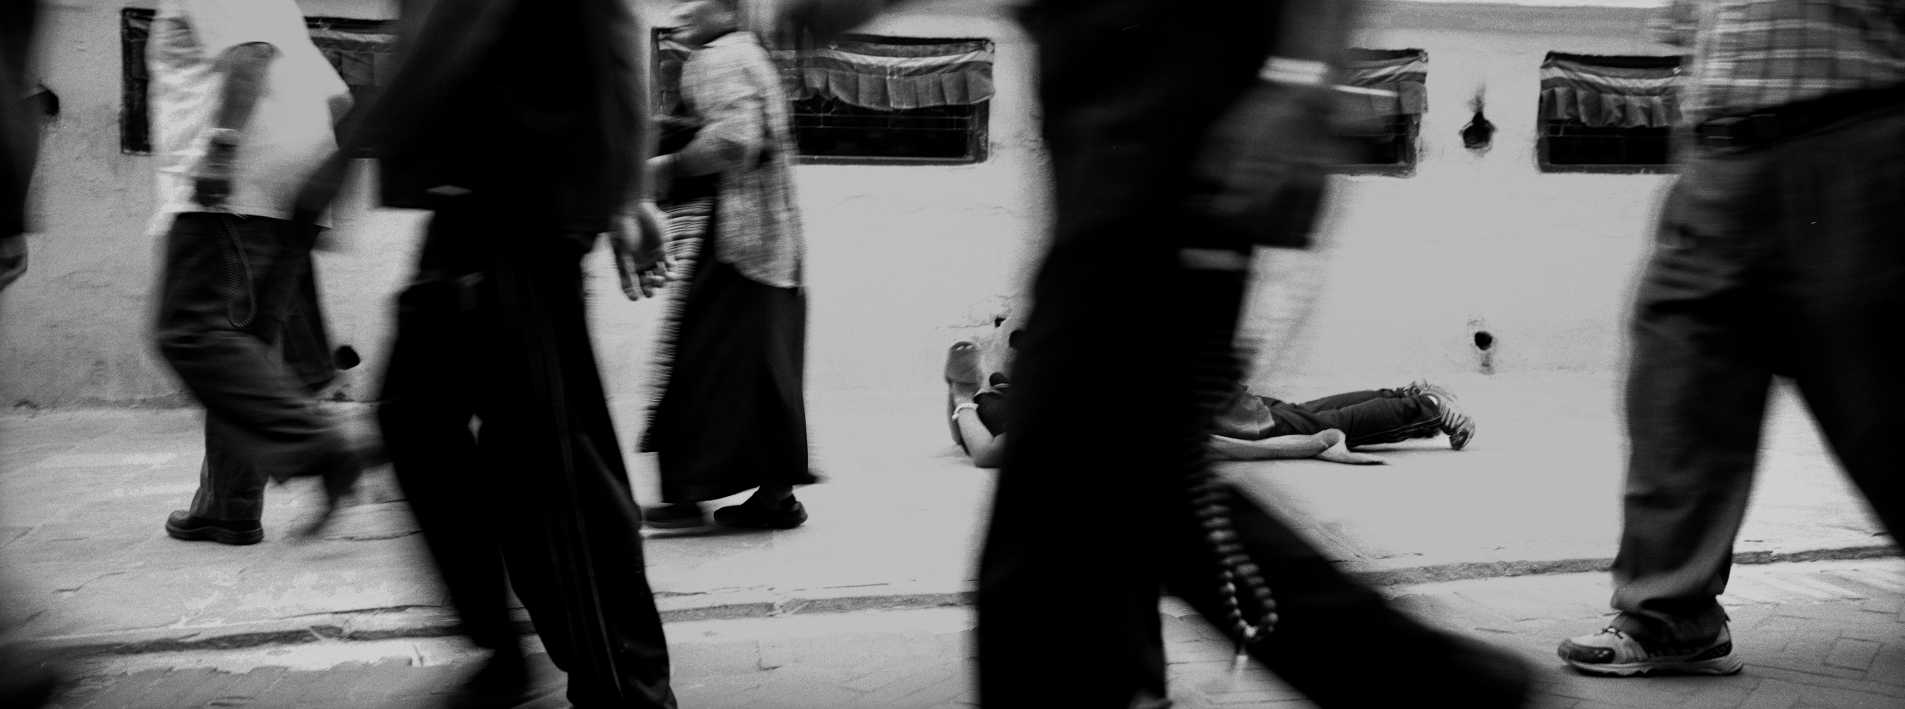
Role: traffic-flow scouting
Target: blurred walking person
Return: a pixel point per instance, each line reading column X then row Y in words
column 243, row 107
column 1779, row 252
column 522, row 126
column 1181, row 135
column 25, row 680
column 732, row 415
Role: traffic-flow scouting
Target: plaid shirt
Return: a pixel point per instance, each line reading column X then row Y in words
column 1754, row 54
column 747, row 137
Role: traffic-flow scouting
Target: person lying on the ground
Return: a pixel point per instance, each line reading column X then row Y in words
column 1251, row 428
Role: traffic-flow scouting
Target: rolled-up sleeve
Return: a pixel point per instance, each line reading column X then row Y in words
column 717, row 85
column 223, row 24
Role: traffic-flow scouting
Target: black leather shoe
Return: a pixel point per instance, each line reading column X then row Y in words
column 340, row 482
column 183, row 526
column 502, row 681
column 786, row 514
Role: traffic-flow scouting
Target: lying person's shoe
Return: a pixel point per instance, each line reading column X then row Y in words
column 1457, row 425
column 680, row 515
column 183, row 526
column 1614, row 653
column 786, row 514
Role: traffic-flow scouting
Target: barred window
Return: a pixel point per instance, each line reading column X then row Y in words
column 1607, row 113
column 1379, row 118
column 871, row 99
column 360, row 50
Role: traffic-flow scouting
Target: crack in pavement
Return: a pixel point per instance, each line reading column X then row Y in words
column 69, row 591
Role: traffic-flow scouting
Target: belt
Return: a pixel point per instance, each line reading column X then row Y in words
column 1771, row 125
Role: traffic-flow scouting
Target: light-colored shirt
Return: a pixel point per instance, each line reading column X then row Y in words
column 1757, row 54
column 747, row 137
column 290, row 130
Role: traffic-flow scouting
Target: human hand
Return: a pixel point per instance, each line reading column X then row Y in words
column 661, row 175
column 320, row 189
column 641, row 255
column 212, row 176
column 1264, row 165
column 1337, row 449
column 997, row 386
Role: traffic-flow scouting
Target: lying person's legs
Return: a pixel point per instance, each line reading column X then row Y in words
column 1379, row 416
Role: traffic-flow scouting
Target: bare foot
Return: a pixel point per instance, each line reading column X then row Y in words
column 1338, row 449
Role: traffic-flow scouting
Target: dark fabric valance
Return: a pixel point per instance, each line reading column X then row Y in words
column 892, row 73
column 1401, row 73
column 1620, row 92
column 362, row 55
column 360, row 50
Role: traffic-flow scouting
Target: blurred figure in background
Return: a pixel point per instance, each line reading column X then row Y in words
column 25, row 682
column 243, row 109
column 1780, row 252
column 522, row 125
column 1181, row 135
column 19, row 134
column 733, row 414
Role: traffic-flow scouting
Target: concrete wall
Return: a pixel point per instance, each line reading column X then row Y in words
column 905, row 256
column 1411, row 266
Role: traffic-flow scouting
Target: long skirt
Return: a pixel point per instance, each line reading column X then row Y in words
column 731, row 415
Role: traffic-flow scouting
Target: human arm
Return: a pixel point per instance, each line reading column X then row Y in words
column 243, row 67
column 1330, row 444
column 721, row 83
column 1272, row 448
column 445, row 42
column 638, row 239
column 1262, row 169
column 986, row 448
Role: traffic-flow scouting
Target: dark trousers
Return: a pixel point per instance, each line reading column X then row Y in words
column 1367, row 418
column 496, row 424
column 1786, row 260
column 1091, row 521
column 227, row 285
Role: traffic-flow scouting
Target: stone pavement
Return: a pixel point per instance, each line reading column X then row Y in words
column 1821, row 635
column 896, row 525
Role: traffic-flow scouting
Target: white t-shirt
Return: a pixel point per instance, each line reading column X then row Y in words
column 290, row 131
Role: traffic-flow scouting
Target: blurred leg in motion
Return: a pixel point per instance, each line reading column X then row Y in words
column 494, row 332
column 1085, row 536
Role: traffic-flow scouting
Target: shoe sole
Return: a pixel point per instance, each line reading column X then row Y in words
column 1717, row 666
column 1459, row 439
column 777, row 524
column 215, row 534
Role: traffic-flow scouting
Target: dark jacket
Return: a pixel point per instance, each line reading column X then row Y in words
column 547, row 120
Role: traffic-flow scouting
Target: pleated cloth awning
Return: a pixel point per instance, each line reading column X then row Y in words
column 892, row 73
column 1618, row 92
column 1401, row 73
